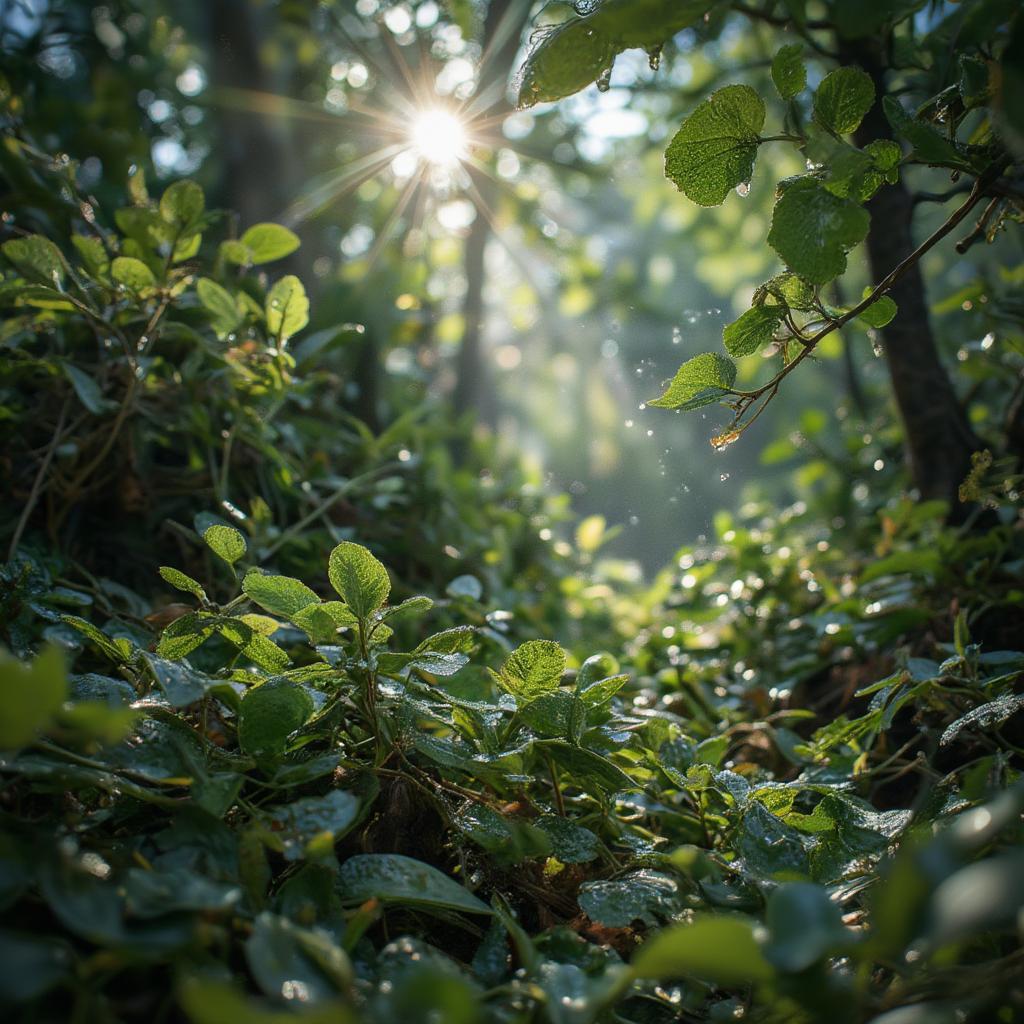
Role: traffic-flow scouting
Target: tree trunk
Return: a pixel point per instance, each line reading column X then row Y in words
column 502, row 31
column 938, row 437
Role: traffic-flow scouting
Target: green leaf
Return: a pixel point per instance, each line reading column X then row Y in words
column 588, row 768
column 720, row 949
column 564, row 59
column 132, row 274
column 715, row 147
column 754, row 329
column 218, row 301
column 700, row 381
column 930, row 146
column 267, row 242
column 279, row 595
column 393, row 878
column 31, row 965
column 182, row 204
column 30, row 695
column 880, row 312
column 93, row 254
column 225, row 541
column 312, row 825
column 789, row 73
column 646, row 896
column 804, row 927
column 287, row 308
column 185, row 634
column 570, row 843
column 982, row 897
column 533, row 668
column 86, row 388
column 37, row 259
column 270, row 713
column 812, row 230
column 360, row 579
column 232, row 251
column 843, row 98
column 984, row 716
column 291, row 963
column 181, row 581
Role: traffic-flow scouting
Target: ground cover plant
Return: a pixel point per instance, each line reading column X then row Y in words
column 316, row 706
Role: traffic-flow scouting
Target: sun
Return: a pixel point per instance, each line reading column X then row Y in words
column 438, row 137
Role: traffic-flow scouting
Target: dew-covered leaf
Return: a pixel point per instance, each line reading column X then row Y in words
column 700, row 381
column 753, row 330
column 394, row 878
column 311, row 826
column 843, row 98
column 360, row 579
column 813, row 230
column 715, row 147
column 270, row 713
column 789, row 73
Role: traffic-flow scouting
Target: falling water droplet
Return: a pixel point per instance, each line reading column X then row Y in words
column 677, row 335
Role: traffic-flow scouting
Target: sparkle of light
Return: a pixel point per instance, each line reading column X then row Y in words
column 438, row 137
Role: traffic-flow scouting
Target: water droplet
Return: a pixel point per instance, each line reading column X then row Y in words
column 654, row 57
column 743, row 189
column 724, row 477
column 604, row 81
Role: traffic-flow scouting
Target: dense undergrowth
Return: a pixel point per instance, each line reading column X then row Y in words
column 305, row 721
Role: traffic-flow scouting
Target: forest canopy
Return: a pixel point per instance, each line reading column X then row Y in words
column 511, row 511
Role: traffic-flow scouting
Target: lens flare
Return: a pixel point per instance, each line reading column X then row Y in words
column 438, row 137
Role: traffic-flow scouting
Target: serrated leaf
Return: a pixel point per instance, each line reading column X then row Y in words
column 267, row 242
column 813, row 230
column 269, row 714
column 226, row 542
column 533, row 668
column 715, row 147
column 843, row 98
column 753, row 330
column 185, row 634
column 789, row 73
column 393, row 878
column 360, row 579
column 180, row 581
column 225, row 315
column 287, row 308
column 279, row 595
column 700, row 381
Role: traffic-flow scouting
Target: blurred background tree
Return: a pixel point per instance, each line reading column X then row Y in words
column 533, row 268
